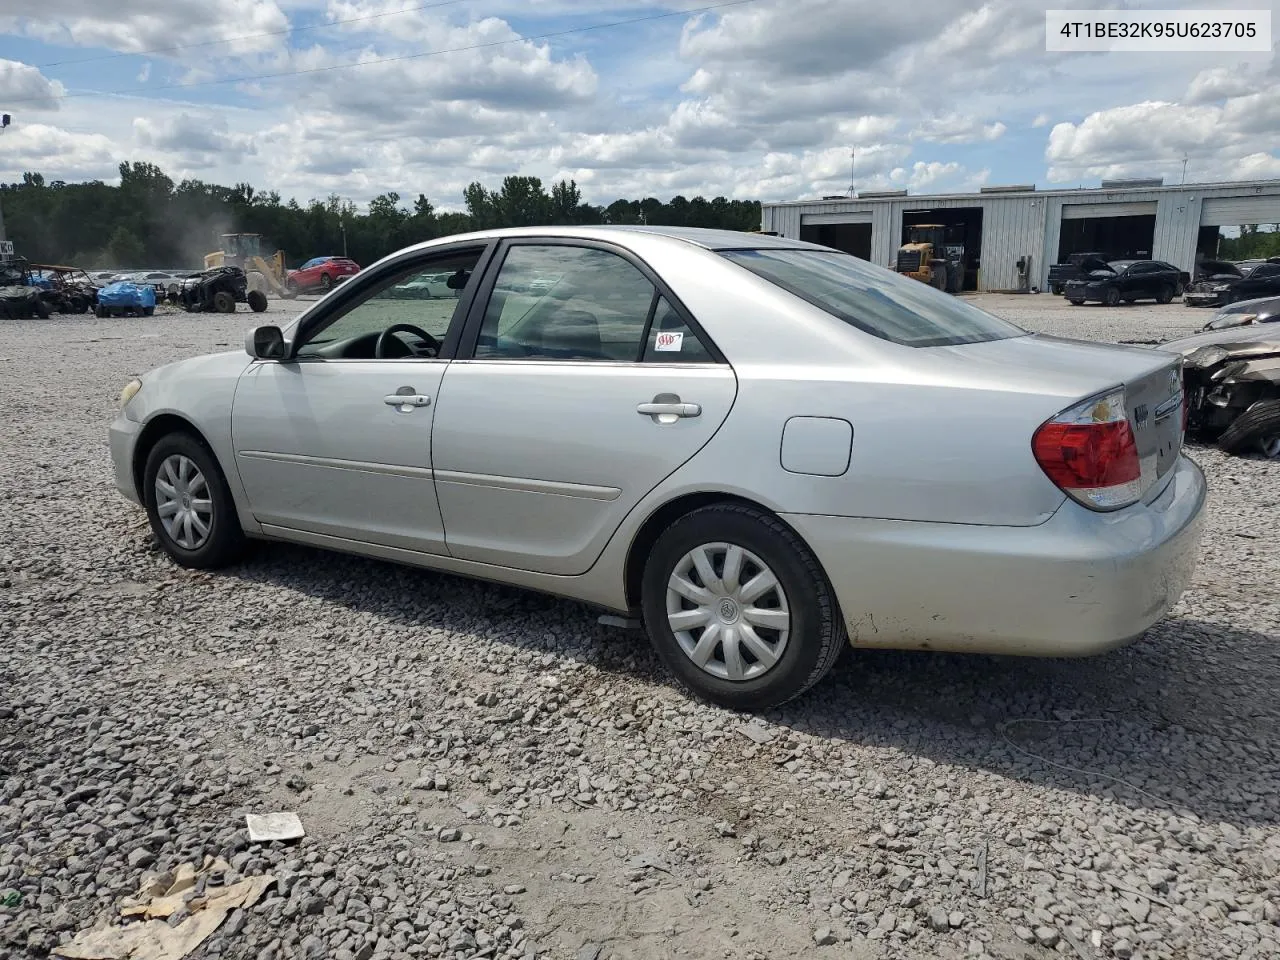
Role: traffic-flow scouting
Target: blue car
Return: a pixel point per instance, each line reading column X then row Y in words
column 126, row 299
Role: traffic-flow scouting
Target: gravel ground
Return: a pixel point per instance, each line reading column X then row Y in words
column 488, row 773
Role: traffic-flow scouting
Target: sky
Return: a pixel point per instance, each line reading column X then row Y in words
column 758, row 99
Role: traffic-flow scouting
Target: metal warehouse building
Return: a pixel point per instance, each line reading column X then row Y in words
column 999, row 226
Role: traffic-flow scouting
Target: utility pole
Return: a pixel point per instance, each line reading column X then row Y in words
column 853, row 172
column 342, row 224
column 5, row 120
column 1184, row 167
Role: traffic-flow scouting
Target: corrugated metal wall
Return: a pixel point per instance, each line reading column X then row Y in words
column 1017, row 225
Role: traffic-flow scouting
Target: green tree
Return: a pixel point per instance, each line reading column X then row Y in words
column 124, row 249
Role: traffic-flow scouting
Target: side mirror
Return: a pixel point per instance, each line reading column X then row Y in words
column 265, row 343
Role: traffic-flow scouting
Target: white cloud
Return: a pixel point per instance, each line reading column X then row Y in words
column 764, row 100
column 1235, row 139
column 23, row 84
column 958, row 128
column 131, row 26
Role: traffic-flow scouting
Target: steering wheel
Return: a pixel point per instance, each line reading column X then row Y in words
column 387, row 336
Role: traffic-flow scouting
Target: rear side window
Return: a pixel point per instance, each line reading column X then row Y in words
column 876, row 301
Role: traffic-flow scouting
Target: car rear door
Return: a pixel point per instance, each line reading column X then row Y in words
column 580, row 385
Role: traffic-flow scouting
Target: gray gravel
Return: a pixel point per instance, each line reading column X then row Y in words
column 488, row 773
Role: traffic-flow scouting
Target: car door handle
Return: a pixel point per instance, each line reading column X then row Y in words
column 407, row 400
column 669, row 409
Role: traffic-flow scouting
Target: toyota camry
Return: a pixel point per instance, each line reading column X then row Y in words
column 761, row 450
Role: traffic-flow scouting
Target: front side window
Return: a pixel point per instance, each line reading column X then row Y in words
column 422, row 297
column 555, row 302
column 876, row 301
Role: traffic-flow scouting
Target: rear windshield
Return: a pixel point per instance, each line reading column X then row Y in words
column 875, row 300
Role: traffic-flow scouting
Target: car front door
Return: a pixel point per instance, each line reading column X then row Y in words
column 580, row 385
column 1135, row 281
column 336, row 440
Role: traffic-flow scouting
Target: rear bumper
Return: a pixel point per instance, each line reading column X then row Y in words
column 122, row 437
column 1079, row 584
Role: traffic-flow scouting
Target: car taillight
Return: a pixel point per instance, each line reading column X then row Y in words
column 1089, row 451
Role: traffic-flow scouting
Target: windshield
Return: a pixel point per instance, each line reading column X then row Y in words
column 874, row 300
column 1119, row 266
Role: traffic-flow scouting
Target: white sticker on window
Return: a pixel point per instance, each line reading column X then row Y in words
column 669, row 341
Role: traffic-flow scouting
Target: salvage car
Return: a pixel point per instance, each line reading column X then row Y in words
column 1125, row 280
column 322, row 273
column 1232, row 384
column 760, row 449
column 1231, row 283
column 1245, row 313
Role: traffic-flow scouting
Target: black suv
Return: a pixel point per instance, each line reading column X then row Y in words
column 1126, row 280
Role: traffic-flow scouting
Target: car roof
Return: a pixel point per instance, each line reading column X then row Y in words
column 619, row 233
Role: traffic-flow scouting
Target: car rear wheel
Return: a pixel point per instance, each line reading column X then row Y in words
column 326, row 282
column 224, row 302
column 1164, row 294
column 1257, row 430
column 189, row 504
column 739, row 609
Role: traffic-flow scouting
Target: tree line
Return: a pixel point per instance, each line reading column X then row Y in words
column 148, row 220
column 1252, row 244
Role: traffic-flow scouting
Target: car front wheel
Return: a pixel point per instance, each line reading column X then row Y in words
column 739, row 609
column 189, row 504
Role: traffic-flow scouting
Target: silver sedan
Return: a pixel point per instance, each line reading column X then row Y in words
column 763, row 450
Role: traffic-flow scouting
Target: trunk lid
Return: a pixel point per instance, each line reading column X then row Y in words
column 1075, row 370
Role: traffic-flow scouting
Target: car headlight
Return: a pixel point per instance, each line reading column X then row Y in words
column 129, row 392
column 1219, row 287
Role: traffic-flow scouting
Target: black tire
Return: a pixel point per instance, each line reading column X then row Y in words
column 226, row 540
column 1254, row 431
column 1164, row 294
column 100, row 312
column 938, row 275
column 1055, row 289
column 257, row 300
column 817, row 635
column 1111, row 297
column 42, row 310
column 1076, row 303
column 224, row 302
column 148, row 311
column 326, row 282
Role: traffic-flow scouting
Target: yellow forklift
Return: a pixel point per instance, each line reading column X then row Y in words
column 243, row 250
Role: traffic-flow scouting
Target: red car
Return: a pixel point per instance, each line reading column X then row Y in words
column 321, row 273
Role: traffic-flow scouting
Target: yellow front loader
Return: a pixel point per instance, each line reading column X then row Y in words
column 243, row 250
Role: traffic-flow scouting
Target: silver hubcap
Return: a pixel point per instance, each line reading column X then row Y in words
column 1270, row 446
column 728, row 611
column 183, row 503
